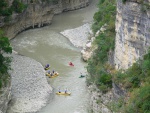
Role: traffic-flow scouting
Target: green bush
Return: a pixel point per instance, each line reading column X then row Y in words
column 135, row 81
column 3, row 3
column 6, row 12
column 140, row 102
column 1, row 84
column 124, row 1
column 31, row 1
column 105, row 15
column 103, row 88
column 18, row 6
column 4, row 61
column 105, row 79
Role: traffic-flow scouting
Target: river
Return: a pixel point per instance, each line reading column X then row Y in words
column 47, row 45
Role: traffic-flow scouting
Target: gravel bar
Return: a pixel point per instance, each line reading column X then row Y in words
column 78, row 36
column 30, row 89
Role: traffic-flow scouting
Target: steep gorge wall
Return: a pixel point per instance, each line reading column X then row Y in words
column 68, row 5
column 132, row 31
column 5, row 97
column 35, row 15
column 38, row 14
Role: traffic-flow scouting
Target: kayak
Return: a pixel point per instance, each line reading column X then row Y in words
column 49, row 75
column 46, row 68
column 71, row 65
column 63, row 93
column 54, row 75
column 81, row 76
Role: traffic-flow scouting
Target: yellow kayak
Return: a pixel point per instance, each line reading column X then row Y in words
column 47, row 74
column 63, row 93
column 46, row 68
column 54, row 75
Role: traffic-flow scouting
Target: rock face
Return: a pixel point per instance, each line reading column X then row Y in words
column 132, row 32
column 38, row 14
column 73, row 4
column 5, row 97
column 100, row 102
column 87, row 51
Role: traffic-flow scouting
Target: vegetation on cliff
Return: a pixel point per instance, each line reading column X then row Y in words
column 135, row 80
column 105, row 42
column 51, row 1
column 6, row 10
column 4, row 60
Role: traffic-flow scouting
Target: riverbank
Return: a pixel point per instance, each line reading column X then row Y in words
column 30, row 89
column 78, row 36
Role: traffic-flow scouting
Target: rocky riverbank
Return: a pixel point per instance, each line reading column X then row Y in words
column 78, row 36
column 30, row 89
column 83, row 37
column 100, row 102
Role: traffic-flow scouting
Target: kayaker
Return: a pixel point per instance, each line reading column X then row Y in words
column 81, row 74
column 65, row 90
column 53, row 71
column 59, row 91
column 70, row 63
column 47, row 66
column 51, row 74
column 48, row 72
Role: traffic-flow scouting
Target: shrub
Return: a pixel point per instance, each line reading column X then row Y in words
column 103, row 88
column 1, row 84
column 105, row 79
column 4, row 61
column 31, row 1
column 140, row 101
column 6, row 12
column 124, row 1
column 18, row 6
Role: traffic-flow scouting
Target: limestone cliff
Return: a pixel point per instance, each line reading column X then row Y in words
column 68, row 5
column 37, row 14
column 132, row 31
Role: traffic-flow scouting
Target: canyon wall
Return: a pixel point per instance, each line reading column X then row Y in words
column 132, row 32
column 68, row 5
column 38, row 14
column 5, row 97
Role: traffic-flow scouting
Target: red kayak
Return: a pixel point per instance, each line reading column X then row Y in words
column 71, row 64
